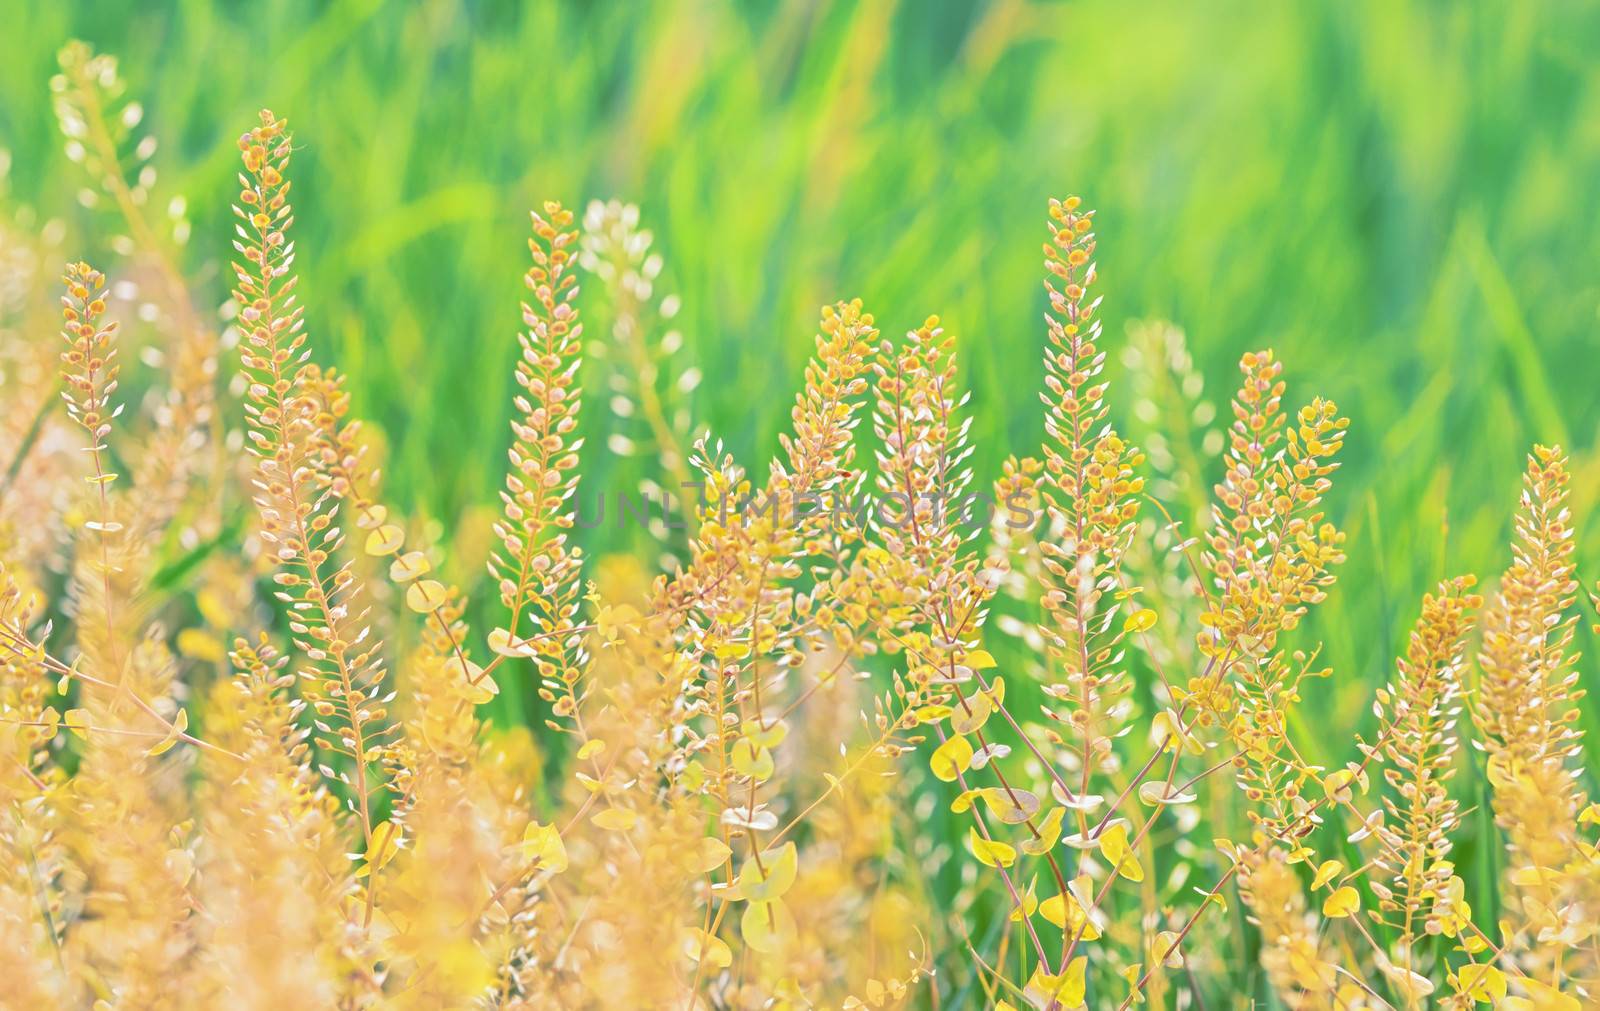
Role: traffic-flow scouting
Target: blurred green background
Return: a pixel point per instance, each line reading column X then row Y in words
column 1402, row 198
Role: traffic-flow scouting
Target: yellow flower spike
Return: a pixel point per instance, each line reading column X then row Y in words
column 951, row 758
column 990, row 852
column 1343, row 902
column 1114, row 847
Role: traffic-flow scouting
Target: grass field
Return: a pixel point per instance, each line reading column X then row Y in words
column 1399, row 197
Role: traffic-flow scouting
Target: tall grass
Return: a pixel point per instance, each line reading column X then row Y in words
column 1407, row 242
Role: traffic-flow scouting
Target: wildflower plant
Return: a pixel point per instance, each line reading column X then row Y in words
column 298, row 799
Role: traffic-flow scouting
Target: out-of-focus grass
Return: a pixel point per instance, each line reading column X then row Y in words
column 1400, row 197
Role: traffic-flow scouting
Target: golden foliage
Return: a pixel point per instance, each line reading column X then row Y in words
column 344, row 828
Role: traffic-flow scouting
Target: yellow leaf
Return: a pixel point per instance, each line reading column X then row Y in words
column 1337, row 784
column 372, row 516
column 478, row 687
column 78, row 721
column 1342, row 902
column 980, row 659
column 1544, row 997
column 951, row 758
column 590, row 749
column 409, row 566
column 1065, row 990
column 1141, row 620
column 767, row 926
column 180, row 723
column 385, row 540
column 713, row 854
column 963, row 802
column 1055, row 909
column 1114, row 847
column 616, row 819
column 1011, row 806
column 992, row 852
column 1326, row 873
column 969, row 718
column 543, row 843
column 425, row 596
column 500, row 642
column 766, row 736
column 1168, row 730
column 384, row 845
column 1165, row 951
column 997, row 691
column 1131, row 974
column 700, row 946
column 1049, row 834
column 1030, row 905
column 1065, row 912
column 771, row 876
column 1482, row 982
column 750, row 759
column 1533, row 876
